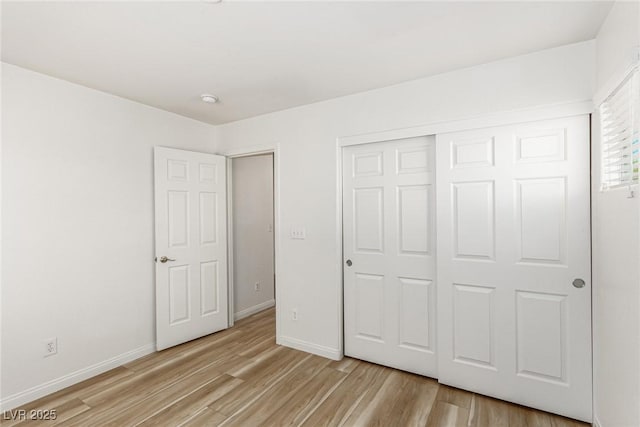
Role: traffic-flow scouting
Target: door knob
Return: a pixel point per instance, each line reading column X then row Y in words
column 578, row 283
column 164, row 259
column 349, row 263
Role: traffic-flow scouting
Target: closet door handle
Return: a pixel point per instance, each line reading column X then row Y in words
column 164, row 259
column 349, row 263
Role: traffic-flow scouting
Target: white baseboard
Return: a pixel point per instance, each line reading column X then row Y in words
column 320, row 350
column 29, row 395
column 253, row 310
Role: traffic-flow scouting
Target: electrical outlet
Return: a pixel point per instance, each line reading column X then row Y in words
column 50, row 347
column 294, row 314
column 256, row 287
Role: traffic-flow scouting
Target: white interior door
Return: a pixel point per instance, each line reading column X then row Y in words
column 191, row 245
column 513, row 251
column 389, row 290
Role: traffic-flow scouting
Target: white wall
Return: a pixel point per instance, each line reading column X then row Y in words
column 617, row 40
column 616, row 252
column 309, row 271
column 77, row 228
column 253, row 244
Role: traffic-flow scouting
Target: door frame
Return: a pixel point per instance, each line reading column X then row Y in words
column 272, row 149
column 509, row 117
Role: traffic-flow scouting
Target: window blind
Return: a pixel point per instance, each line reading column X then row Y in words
column 620, row 134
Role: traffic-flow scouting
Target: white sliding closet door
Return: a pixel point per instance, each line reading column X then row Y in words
column 389, row 248
column 514, row 275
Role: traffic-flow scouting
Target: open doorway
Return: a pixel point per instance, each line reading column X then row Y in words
column 252, row 235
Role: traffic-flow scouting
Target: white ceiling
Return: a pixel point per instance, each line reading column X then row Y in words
column 267, row 56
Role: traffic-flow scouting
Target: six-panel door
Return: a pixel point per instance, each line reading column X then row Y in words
column 389, row 239
column 191, row 232
column 513, row 235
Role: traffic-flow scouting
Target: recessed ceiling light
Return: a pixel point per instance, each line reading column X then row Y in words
column 209, row 99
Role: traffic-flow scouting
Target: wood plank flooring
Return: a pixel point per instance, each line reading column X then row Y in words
column 240, row 377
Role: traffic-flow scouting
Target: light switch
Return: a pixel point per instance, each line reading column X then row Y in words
column 298, row 233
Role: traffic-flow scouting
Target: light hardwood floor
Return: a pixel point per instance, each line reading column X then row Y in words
column 240, row 377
